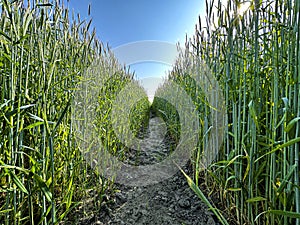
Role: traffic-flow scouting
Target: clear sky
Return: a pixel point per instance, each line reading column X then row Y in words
column 120, row 22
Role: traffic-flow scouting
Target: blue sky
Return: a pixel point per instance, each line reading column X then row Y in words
column 120, row 22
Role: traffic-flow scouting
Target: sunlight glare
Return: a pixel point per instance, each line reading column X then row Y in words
column 243, row 7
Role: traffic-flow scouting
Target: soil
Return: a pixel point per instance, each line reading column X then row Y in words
column 170, row 201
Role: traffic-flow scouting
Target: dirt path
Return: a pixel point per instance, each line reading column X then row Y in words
column 168, row 202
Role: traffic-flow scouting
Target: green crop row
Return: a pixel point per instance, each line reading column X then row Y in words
column 45, row 51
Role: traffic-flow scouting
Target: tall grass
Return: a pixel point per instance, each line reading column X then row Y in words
column 44, row 53
column 255, row 57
